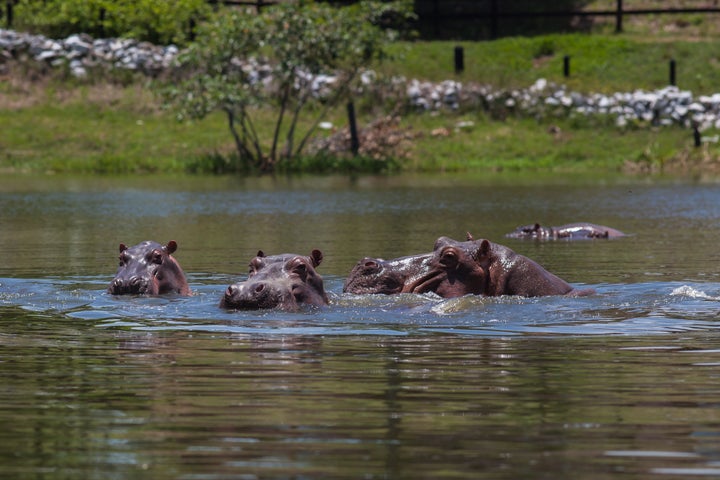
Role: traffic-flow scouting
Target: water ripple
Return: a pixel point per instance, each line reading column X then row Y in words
column 616, row 309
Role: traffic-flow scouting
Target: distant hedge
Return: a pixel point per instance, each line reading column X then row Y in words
column 157, row 21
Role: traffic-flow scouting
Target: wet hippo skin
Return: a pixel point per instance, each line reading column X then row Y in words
column 570, row 231
column 454, row 269
column 149, row 268
column 375, row 275
column 481, row 267
column 284, row 281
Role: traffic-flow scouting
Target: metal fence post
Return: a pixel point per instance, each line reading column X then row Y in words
column 9, row 13
column 493, row 20
column 619, row 17
column 354, row 140
column 672, row 72
column 459, row 59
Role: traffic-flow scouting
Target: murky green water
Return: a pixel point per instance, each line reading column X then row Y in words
column 623, row 384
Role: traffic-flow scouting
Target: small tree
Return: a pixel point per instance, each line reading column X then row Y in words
column 287, row 57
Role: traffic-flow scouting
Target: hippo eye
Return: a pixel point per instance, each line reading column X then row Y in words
column 259, row 288
column 371, row 265
column 449, row 257
column 156, row 257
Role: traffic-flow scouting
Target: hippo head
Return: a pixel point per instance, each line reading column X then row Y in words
column 454, row 269
column 531, row 231
column 148, row 268
column 375, row 275
column 278, row 281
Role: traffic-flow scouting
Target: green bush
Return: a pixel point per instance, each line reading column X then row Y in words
column 298, row 42
column 157, row 21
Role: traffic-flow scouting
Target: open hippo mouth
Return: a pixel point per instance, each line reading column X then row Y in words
column 449, row 271
column 425, row 283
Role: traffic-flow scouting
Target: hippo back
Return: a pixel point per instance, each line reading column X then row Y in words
column 375, row 275
column 569, row 231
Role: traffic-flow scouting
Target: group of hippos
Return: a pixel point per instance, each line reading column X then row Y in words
column 286, row 281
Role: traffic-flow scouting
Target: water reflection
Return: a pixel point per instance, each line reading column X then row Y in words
column 128, row 403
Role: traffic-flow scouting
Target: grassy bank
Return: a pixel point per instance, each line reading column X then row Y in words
column 56, row 125
column 598, row 63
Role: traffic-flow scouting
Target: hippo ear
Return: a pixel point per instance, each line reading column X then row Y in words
column 469, row 237
column 123, row 247
column 260, row 254
column 316, row 256
column 170, row 247
column 483, row 251
column 536, row 227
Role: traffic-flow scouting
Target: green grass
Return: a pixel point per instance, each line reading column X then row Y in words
column 88, row 137
column 598, row 63
column 66, row 126
column 525, row 144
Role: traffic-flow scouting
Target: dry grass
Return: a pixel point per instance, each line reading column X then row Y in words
column 28, row 84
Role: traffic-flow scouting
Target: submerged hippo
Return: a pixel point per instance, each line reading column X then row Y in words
column 570, row 231
column 278, row 281
column 481, row 267
column 149, row 268
column 375, row 275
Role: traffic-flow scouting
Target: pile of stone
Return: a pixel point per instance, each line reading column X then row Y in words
column 666, row 106
column 81, row 52
column 662, row 107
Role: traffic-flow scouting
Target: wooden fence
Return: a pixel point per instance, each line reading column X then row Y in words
column 486, row 18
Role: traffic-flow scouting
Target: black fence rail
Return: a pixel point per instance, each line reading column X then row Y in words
column 258, row 4
column 490, row 19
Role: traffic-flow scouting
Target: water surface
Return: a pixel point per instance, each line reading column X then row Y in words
column 622, row 384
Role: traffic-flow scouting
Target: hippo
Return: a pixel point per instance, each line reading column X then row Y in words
column 149, row 268
column 283, row 281
column 570, row 231
column 454, row 269
column 481, row 267
column 375, row 275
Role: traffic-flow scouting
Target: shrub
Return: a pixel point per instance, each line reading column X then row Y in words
column 157, row 21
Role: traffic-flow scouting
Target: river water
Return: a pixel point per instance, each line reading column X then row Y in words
column 621, row 384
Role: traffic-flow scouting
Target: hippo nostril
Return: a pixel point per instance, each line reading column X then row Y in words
column 230, row 291
column 116, row 286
